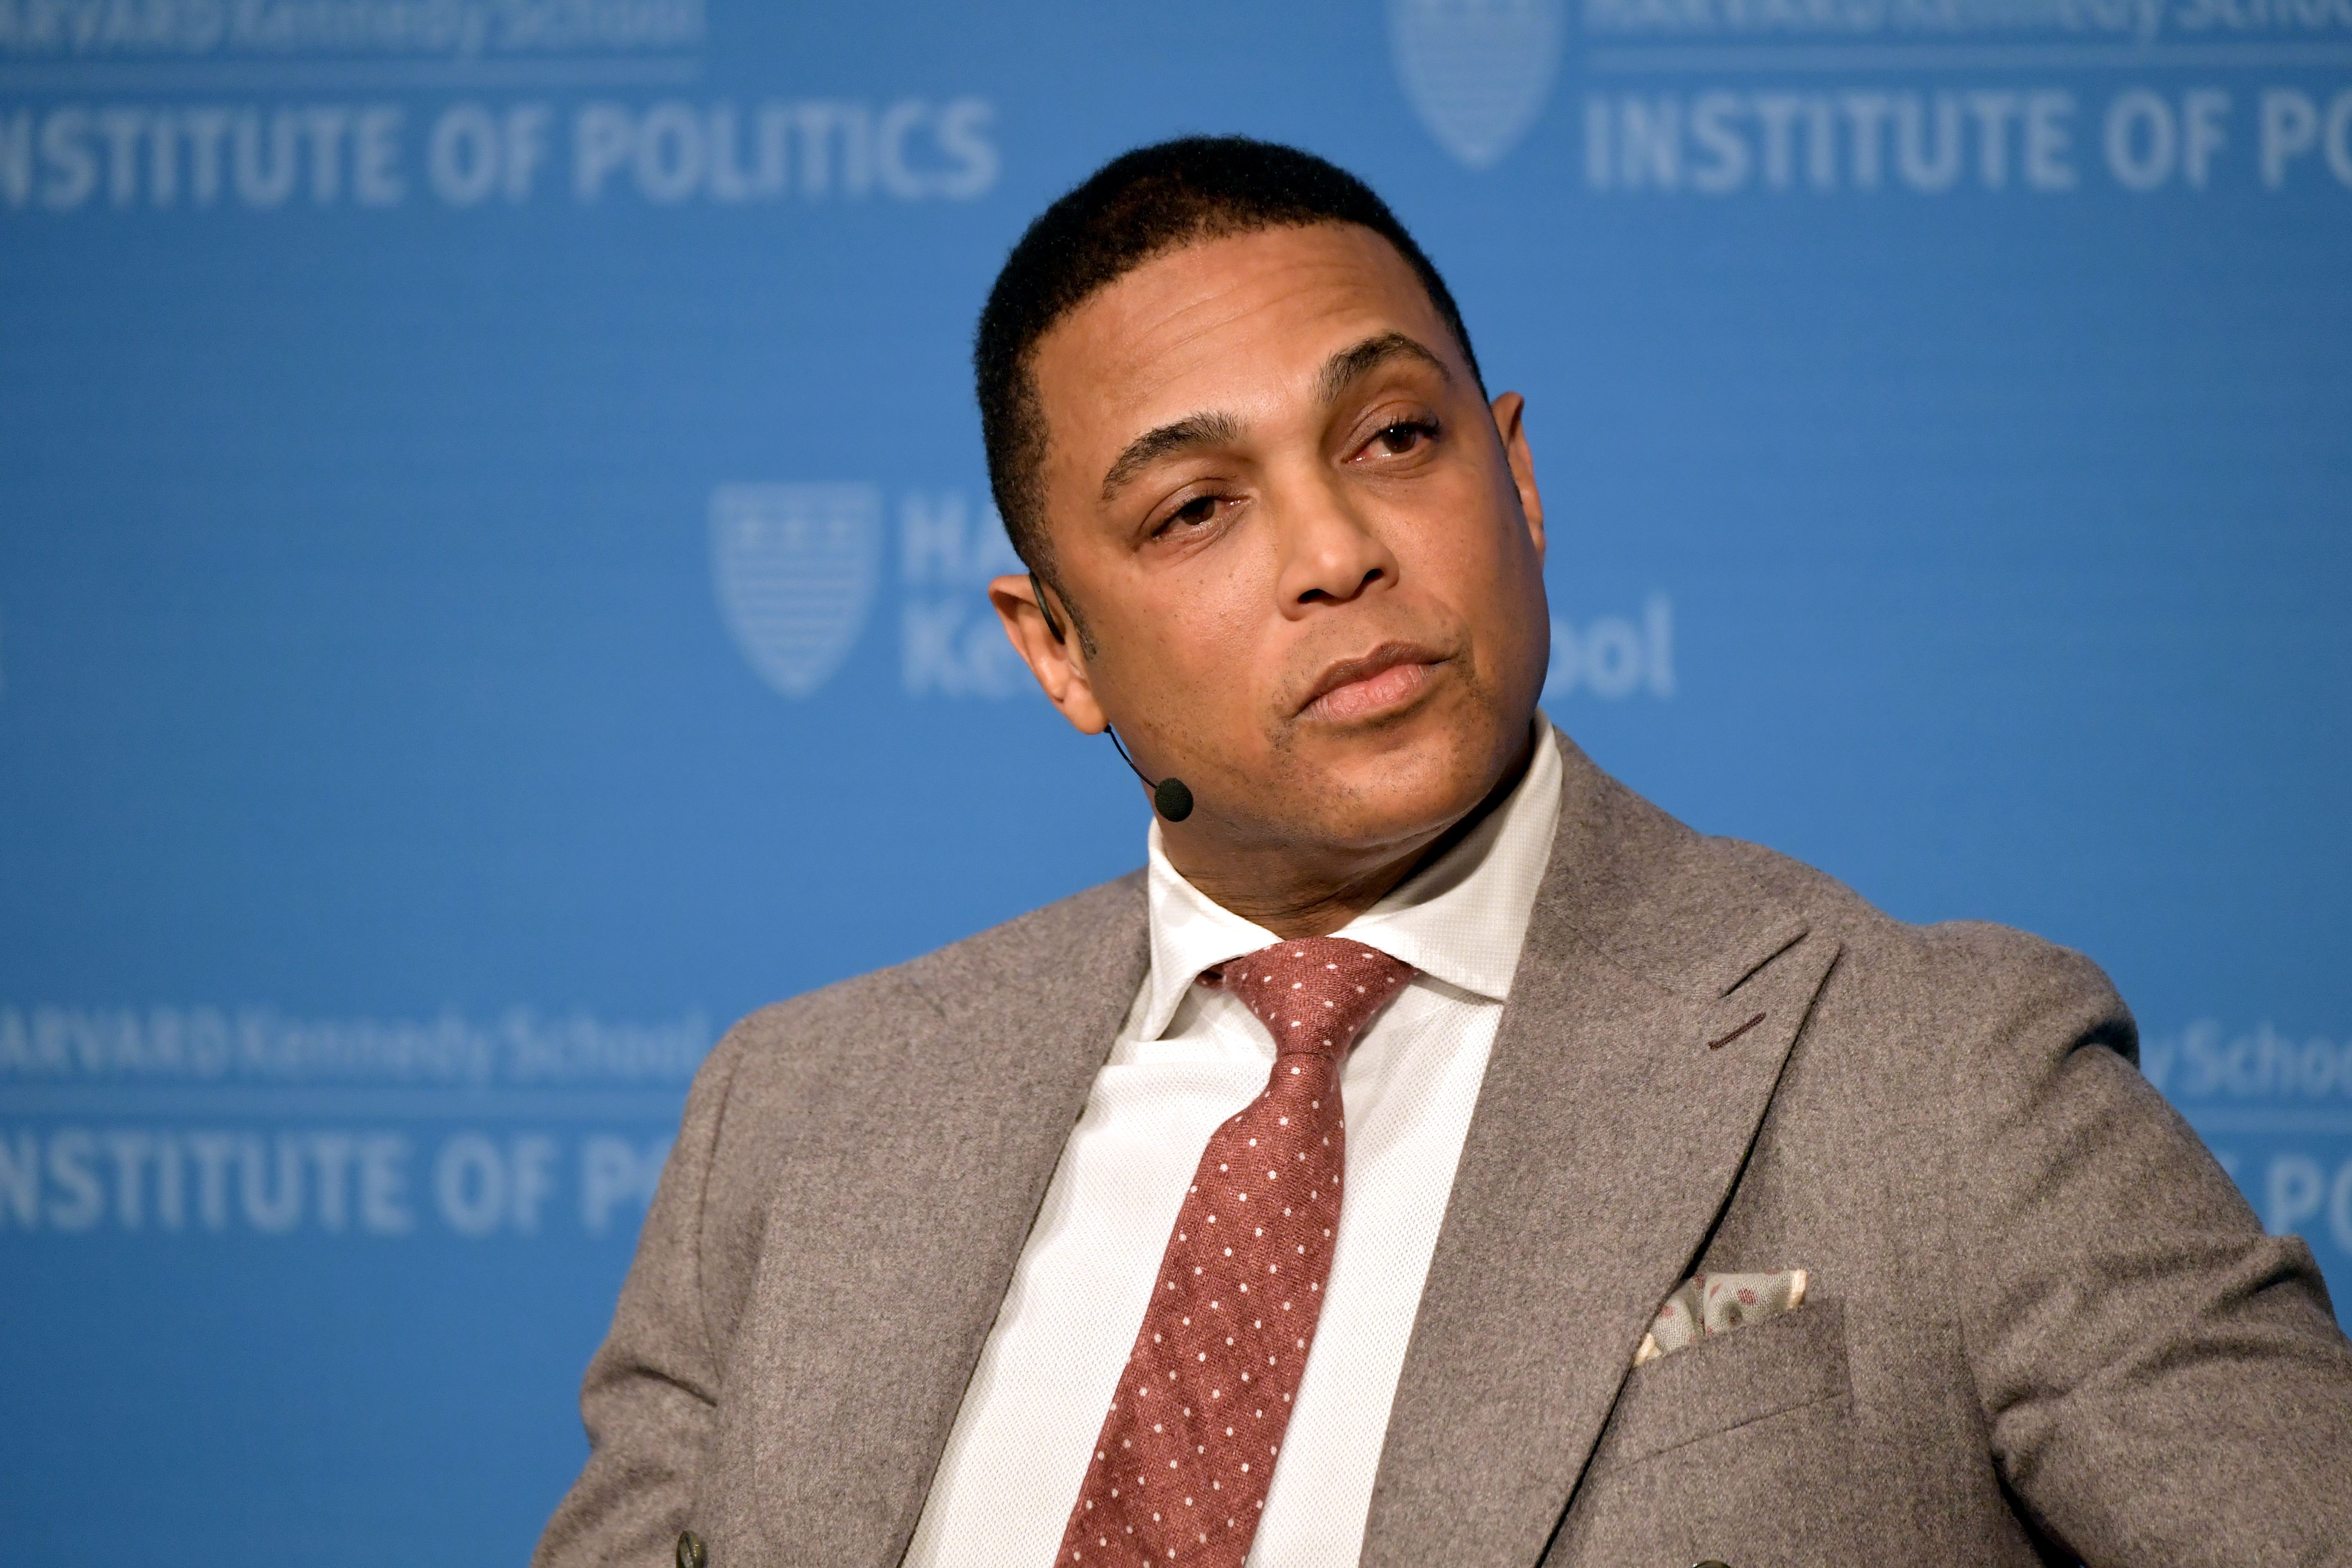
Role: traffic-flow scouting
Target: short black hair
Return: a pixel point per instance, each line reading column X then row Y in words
column 1134, row 208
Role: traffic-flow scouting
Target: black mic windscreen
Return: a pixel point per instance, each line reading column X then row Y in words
column 1174, row 801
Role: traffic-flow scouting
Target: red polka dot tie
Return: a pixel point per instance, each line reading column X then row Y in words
column 1179, row 1473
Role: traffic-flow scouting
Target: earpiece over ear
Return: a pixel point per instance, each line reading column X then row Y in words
column 1170, row 797
column 1037, row 586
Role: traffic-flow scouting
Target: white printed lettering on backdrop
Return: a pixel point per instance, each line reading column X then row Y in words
column 201, row 1119
column 1998, row 137
column 378, row 154
column 2207, row 1064
column 1477, row 72
column 796, row 602
column 2051, row 24
column 359, row 1178
column 1614, row 657
column 951, row 642
column 1735, row 99
column 259, row 29
column 1759, row 105
column 2306, row 1194
column 48, row 1046
column 235, row 118
column 2291, row 1093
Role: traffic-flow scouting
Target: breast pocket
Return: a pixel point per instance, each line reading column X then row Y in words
column 1739, row 1448
column 1756, row 1371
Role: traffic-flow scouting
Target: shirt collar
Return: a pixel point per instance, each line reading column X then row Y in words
column 1461, row 921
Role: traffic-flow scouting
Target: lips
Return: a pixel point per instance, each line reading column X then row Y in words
column 1388, row 676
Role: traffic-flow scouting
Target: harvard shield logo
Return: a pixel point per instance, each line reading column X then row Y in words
column 1477, row 71
column 795, row 568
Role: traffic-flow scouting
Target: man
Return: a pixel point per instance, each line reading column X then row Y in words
column 1436, row 1154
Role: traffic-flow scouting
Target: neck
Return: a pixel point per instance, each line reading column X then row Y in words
column 1314, row 889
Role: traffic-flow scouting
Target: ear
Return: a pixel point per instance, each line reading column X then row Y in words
column 1059, row 663
column 1510, row 424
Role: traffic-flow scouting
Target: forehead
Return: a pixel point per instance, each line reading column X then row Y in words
column 1231, row 324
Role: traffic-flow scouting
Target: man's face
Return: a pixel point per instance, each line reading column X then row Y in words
column 1307, row 554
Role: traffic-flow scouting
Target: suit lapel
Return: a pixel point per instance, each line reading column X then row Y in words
column 1610, row 1130
column 902, row 1202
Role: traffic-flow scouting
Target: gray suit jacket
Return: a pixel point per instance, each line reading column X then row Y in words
column 2043, row 1323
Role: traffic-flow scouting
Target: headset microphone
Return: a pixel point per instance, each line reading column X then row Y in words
column 1170, row 797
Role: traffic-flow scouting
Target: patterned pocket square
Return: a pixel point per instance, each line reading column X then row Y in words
column 1707, row 1304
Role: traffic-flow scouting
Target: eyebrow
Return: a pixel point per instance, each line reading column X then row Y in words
column 1341, row 370
column 1193, row 430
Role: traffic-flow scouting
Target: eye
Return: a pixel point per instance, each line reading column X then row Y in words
column 1404, row 435
column 1194, row 513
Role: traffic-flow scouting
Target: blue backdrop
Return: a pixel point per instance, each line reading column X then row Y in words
column 492, row 530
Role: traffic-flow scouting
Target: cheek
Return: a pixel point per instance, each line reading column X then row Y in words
column 1470, row 547
column 1190, row 650
column 1210, row 620
column 1480, row 565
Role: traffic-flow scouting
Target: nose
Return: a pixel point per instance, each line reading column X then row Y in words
column 1331, row 555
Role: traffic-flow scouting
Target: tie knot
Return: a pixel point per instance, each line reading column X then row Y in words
column 1317, row 994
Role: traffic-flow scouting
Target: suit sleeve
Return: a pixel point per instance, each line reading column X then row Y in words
column 2163, row 1382
column 651, row 1395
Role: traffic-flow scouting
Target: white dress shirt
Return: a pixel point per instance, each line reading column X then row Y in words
column 1188, row 1057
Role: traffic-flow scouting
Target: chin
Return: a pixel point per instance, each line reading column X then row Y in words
column 1404, row 793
